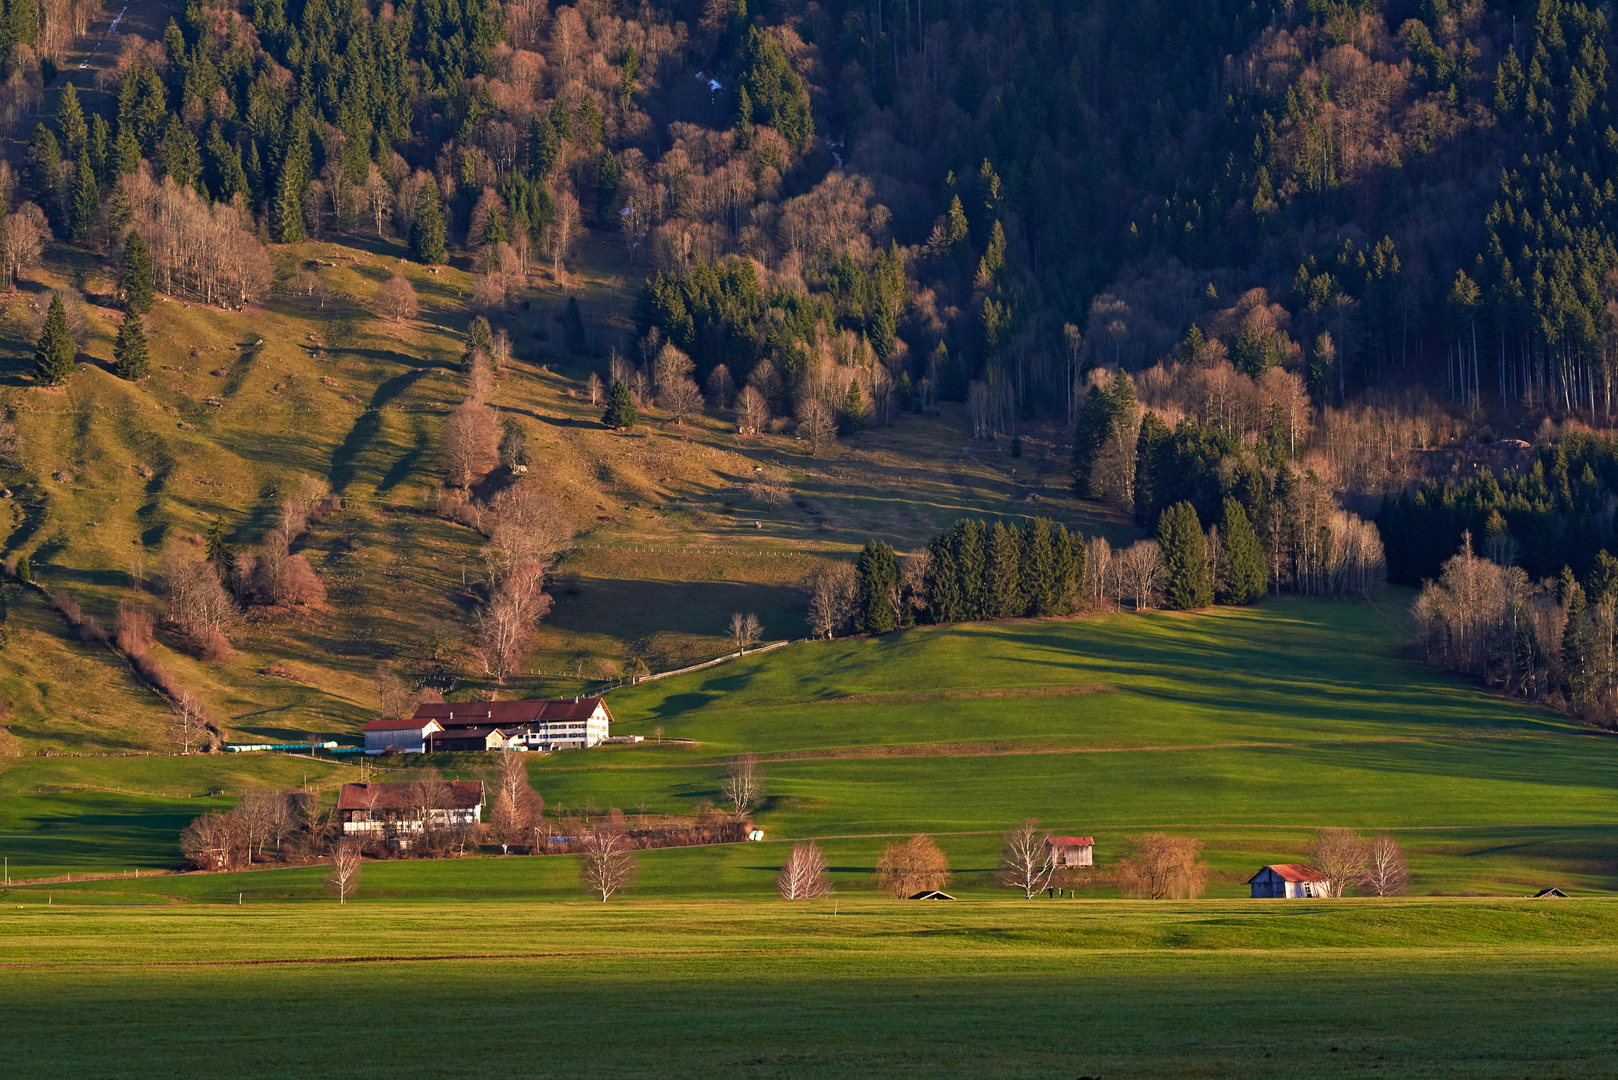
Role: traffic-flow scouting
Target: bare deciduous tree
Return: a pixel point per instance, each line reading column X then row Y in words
column 1025, row 858
column 1386, row 873
column 396, row 299
column 1342, row 856
column 911, row 866
column 745, row 630
column 511, row 813
column 752, row 411
column 190, row 725
column 471, row 443
column 344, row 878
column 593, row 386
column 1140, row 570
column 609, row 862
column 565, row 227
column 768, row 490
column 1161, row 867
column 721, row 387
column 743, row 785
column 803, row 876
column 816, row 423
column 833, row 599
column 681, row 398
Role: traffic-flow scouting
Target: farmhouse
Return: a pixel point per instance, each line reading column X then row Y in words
column 400, row 736
column 1068, row 851
column 403, row 808
column 1289, row 881
column 565, row 724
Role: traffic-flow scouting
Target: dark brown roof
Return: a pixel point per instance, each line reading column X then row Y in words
column 505, row 713
column 407, row 723
column 1294, row 872
column 456, row 795
column 1071, row 841
column 462, row 733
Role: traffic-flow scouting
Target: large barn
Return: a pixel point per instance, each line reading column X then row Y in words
column 565, row 724
column 402, row 736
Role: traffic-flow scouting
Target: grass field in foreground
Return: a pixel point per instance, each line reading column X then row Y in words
column 1415, row 988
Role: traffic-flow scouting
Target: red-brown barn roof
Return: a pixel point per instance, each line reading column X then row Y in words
column 1071, row 841
column 1294, row 872
column 456, row 795
column 504, row 713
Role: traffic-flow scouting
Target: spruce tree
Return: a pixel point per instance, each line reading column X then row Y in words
column 1603, row 577
column 98, row 147
column 1243, row 577
column 1185, row 558
column 879, row 580
column 1088, row 435
column 544, row 144
column 125, row 150
column 851, row 415
column 944, row 586
column 129, row 354
column 70, row 122
column 620, row 412
column 427, row 234
column 479, row 338
column 55, row 353
column 1036, row 561
column 1068, row 557
column 86, row 200
column 135, row 275
column 1005, row 599
column 1575, row 636
column 972, row 568
column 1151, row 447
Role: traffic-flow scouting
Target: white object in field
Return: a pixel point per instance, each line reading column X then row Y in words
column 755, row 834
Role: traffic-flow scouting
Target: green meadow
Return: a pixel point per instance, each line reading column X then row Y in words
column 1414, row 988
column 1247, row 728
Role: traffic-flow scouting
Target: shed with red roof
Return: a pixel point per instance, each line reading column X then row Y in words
column 1071, row 850
column 1289, row 881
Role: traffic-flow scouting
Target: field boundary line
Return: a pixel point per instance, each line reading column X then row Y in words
column 967, row 750
column 288, row 961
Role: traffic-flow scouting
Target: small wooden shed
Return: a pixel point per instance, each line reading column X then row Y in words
column 931, row 894
column 1071, row 851
column 1289, row 881
column 1550, row 894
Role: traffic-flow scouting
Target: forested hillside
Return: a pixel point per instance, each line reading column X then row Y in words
column 1275, row 255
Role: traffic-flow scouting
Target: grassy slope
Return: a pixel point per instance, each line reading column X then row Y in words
column 1247, row 728
column 1476, row 989
column 669, row 550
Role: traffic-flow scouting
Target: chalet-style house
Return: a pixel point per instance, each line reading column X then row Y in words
column 406, row 736
column 396, row 809
column 567, row 724
column 1068, row 851
column 1290, row 882
column 455, row 726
